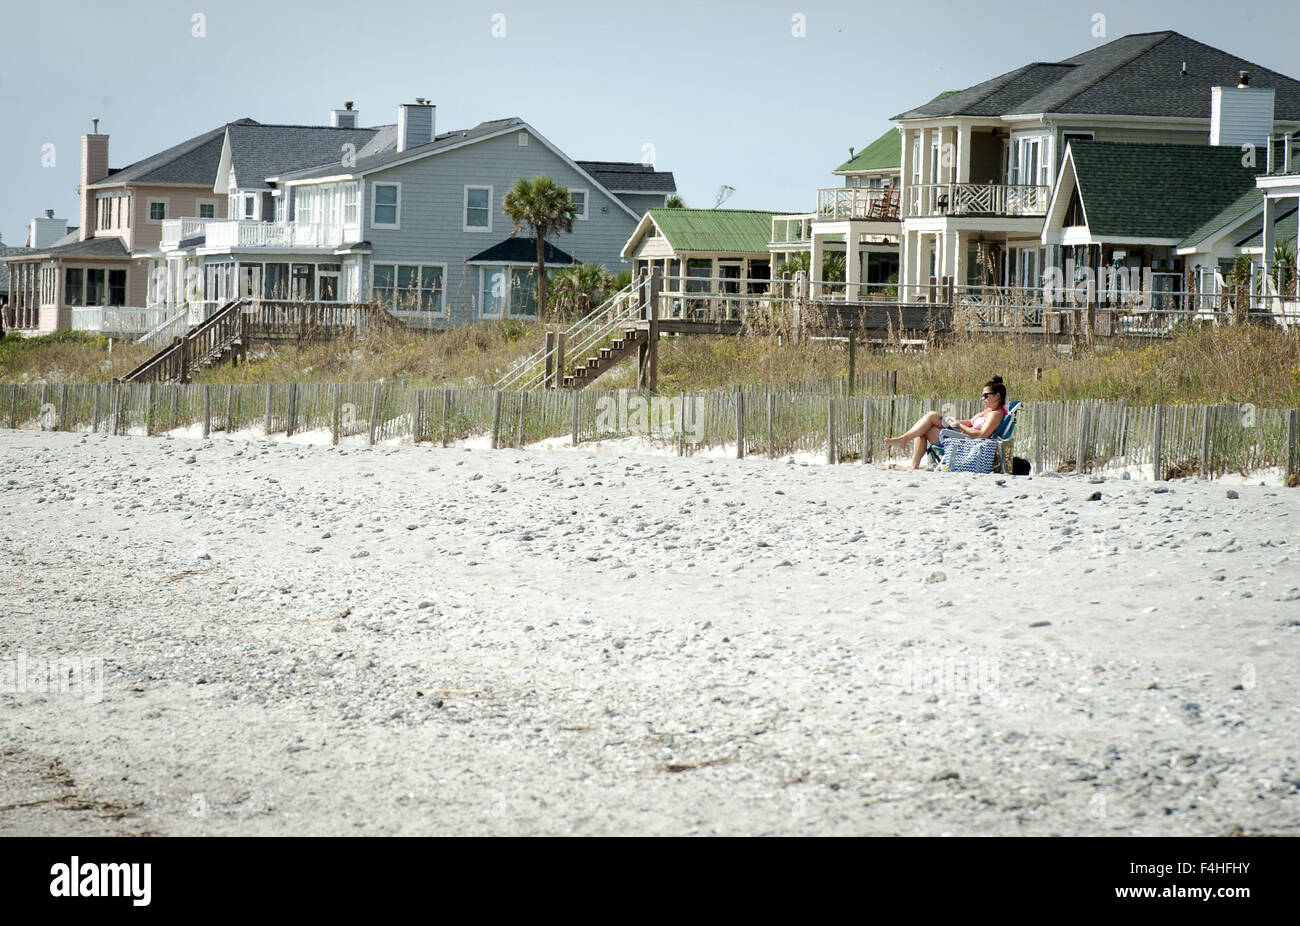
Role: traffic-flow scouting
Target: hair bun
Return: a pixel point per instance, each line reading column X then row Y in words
column 997, row 379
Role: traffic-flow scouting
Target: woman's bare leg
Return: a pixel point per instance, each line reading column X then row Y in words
column 929, row 424
column 918, row 451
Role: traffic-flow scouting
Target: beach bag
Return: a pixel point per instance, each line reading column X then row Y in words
column 968, row 456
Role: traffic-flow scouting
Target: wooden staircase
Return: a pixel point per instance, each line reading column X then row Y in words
column 605, row 358
column 222, row 335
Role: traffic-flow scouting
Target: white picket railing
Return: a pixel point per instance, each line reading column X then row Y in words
column 1006, row 199
column 880, row 203
column 116, row 319
column 174, row 231
column 244, row 234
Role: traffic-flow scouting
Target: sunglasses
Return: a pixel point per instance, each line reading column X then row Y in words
column 987, row 395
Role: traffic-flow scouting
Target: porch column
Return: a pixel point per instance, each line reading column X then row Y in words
column 963, row 154
column 948, row 266
column 959, row 272
column 1270, row 216
column 852, row 266
column 815, row 264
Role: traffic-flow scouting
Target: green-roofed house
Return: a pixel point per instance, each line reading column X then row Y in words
column 727, row 249
column 859, row 218
column 979, row 166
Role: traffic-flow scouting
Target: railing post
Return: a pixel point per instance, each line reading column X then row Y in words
column 866, row 431
column 1157, row 443
column 63, row 408
column 1292, row 447
column 374, row 413
column 148, row 410
column 853, row 360
column 117, row 409
column 523, row 410
column 576, row 393
column 547, row 378
column 830, row 431
column 496, row 418
column 740, row 424
column 230, row 409
column 291, row 412
column 336, row 419
column 417, row 416
column 207, row 410
column 1206, row 414
column 559, row 360
column 1040, row 432
column 13, row 406
column 446, row 415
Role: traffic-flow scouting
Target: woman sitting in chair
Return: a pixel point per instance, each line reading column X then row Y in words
column 934, row 428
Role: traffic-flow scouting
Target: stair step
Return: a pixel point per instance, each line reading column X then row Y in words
column 606, row 353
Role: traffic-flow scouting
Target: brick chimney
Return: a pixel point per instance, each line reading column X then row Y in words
column 94, row 168
column 415, row 124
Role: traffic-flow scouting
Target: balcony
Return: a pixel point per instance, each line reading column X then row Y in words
column 867, row 203
column 1009, row 200
column 288, row 235
column 174, row 231
column 792, row 231
column 116, row 319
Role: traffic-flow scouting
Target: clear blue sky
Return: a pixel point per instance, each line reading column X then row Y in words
column 724, row 91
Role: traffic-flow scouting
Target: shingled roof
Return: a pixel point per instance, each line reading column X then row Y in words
column 366, row 163
column 104, row 248
column 630, row 177
column 260, row 151
column 1137, row 75
column 1155, row 191
column 192, row 161
column 520, row 251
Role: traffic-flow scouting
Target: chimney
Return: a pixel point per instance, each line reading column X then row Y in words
column 94, row 168
column 1243, row 79
column 345, row 118
column 1241, row 115
column 46, row 229
column 415, row 123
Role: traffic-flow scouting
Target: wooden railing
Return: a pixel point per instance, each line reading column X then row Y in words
column 878, row 204
column 1000, row 199
column 202, row 344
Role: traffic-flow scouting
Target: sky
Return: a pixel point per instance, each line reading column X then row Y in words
column 766, row 97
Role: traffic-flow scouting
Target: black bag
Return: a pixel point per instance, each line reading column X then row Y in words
column 1019, row 466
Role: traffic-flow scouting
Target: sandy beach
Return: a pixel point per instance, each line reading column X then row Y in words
column 279, row 638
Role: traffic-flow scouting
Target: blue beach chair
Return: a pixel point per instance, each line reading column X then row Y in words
column 1003, row 435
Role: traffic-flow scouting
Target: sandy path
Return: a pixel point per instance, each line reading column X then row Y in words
column 558, row 643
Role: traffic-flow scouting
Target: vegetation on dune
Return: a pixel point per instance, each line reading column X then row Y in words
column 1207, row 365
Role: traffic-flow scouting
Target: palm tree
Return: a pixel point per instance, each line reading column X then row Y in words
column 546, row 207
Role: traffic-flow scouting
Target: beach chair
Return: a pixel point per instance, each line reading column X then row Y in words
column 1004, row 436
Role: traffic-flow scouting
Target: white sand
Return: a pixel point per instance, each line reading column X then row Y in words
column 558, row 642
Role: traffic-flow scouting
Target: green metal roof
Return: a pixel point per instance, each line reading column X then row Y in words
column 1235, row 211
column 885, row 152
column 1156, row 191
column 733, row 231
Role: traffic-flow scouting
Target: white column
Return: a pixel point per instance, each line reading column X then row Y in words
column 963, row 154
column 1270, row 216
column 815, row 263
column 852, row 266
column 959, row 260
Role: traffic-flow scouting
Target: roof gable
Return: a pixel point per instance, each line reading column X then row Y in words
column 1155, row 191
column 730, row 231
column 258, row 151
column 1136, row 75
column 193, row 161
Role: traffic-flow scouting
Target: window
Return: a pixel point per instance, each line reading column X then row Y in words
column 409, row 287
column 478, row 208
column 303, row 282
column 207, row 210
column 327, row 276
column 494, row 291
column 73, row 281
column 117, row 287
column 250, row 206
column 523, row 291
column 350, row 216
column 579, row 199
column 96, row 291
column 385, row 211
column 157, row 210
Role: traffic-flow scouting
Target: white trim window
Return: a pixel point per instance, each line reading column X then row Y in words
column 493, row 291
column 249, row 210
column 350, row 214
column 157, row 210
column 386, row 205
column 206, row 208
column 478, row 208
column 579, row 199
column 412, row 289
column 1033, row 165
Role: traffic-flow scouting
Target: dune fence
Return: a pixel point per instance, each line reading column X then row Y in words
column 1154, row 442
